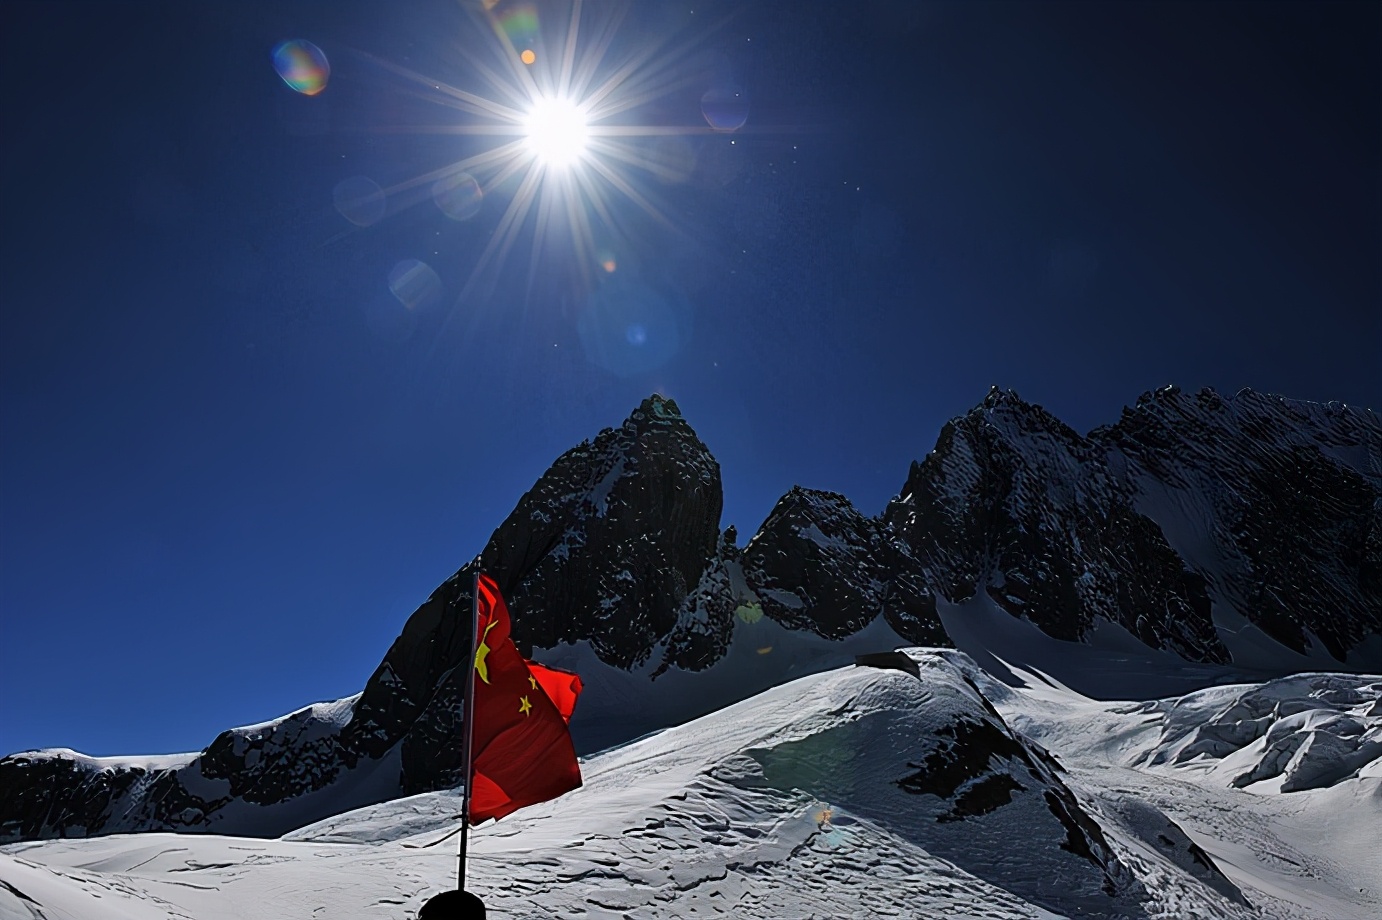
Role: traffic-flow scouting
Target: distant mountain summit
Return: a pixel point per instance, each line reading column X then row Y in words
column 1255, row 508
column 1226, row 530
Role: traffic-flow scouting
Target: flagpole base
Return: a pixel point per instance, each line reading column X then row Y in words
column 453, row 905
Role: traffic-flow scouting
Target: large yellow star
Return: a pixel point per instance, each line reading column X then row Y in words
column 524, row 706
column 481, row 653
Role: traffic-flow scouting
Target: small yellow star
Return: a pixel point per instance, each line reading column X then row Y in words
column 532, row 681
column 524, row 705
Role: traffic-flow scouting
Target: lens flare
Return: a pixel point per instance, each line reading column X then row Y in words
column 302, row 65
column 458, row 195
column 749, row 613
column 527, row 57
column 359, row 200
column 630, row 328
column 726, row 108
column 520, row 24
column 414, row 283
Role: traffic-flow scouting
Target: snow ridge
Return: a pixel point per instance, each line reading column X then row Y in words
column 852, row 793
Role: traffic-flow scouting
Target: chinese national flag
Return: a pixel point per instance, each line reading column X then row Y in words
column 521, row 750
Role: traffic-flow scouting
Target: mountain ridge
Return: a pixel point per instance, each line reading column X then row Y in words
column 617, row 549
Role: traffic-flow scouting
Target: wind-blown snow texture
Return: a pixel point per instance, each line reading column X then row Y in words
column 1240, row 530
column 853, row 793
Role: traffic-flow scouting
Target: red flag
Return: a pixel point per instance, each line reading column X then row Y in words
column 561, row 687
column 521, row 749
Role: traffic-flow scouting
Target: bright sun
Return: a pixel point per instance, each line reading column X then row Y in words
column 556, row 131
column 558, row 137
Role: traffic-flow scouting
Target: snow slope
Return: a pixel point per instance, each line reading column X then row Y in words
column 1305, row 854
column 856, row 792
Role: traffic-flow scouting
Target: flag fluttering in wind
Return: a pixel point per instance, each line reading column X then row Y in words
column 521, row 750
column 516, row 749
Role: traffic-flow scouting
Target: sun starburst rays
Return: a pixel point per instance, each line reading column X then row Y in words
column 560, row 130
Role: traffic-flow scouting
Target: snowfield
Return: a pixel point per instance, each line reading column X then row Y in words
column 857, row 792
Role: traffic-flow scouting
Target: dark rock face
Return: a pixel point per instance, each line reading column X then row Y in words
column 243, row 772
column 1015, row 503
column 980, row 766
column 606, row 547
column 612, row 539
column 1291, row 493
column 963, row 760
column 1268, row 507
column 36, row 785
column 980, row 763
column 705, row 621
column 818, row 564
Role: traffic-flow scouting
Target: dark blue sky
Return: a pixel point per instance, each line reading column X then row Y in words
column 232, row 463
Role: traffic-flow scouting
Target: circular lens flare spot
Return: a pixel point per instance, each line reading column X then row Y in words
column 726, row 108
column 749, row 613
column 527, row 57
column 414, row 283
column 302, row 65
column 359, row 200
column 556, row 131
column 458, row 195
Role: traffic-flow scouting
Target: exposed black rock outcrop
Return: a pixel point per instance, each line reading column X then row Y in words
column 1269, row 508
column 1014, row 503
column 1279, row 502
column 818, row 564
column 612, row 539
column 608, row 547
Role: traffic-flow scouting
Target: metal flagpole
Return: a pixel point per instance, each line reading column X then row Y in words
column 466, row 735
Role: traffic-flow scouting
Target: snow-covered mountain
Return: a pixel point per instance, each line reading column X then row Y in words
column 920, row 787
column 1218, row 533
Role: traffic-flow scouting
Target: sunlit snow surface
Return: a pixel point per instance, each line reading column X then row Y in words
column 787, row 805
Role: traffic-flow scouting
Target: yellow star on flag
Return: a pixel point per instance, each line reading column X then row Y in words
column 532, row 681
column 482, row 653
column 524, row 706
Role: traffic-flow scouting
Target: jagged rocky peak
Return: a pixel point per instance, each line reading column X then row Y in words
column 997, row 396
column 1175, row 422
column 605, row 548
column 818, row 564
column 612, row 538
column 1256, row 506
column 1014, row 503
column 1276, row 501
